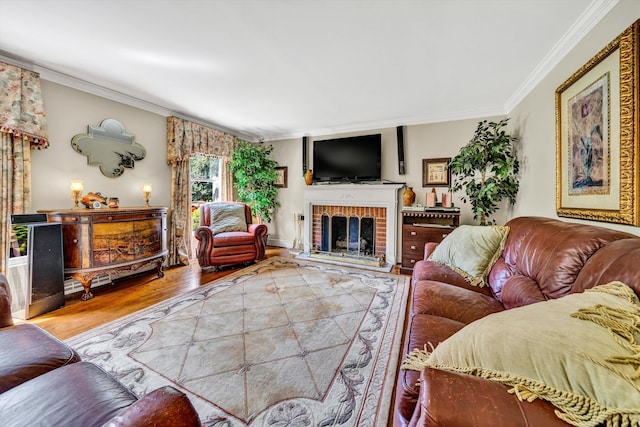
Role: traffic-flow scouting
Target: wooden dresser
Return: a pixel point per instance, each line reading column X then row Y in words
column 111, row 241
column 420, row 227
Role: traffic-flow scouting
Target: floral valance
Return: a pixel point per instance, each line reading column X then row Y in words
column 21, row 105
column 185, row 138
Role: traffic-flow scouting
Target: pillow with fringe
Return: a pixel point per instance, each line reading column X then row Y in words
column 580, row 352
column 227, row 217
column 471, row 251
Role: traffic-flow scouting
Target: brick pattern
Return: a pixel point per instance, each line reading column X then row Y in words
column 378, row 214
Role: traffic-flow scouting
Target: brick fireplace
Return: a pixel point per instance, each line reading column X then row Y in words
column 352, row 223
column 353, row 230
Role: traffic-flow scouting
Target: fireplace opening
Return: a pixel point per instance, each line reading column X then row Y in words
column 350, row 234
column 353, row 236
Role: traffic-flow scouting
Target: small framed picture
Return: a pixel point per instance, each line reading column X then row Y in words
column 281, row 177
column 435, row 172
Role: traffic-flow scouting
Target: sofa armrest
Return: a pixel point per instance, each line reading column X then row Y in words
column 429, row 247
column 165, row 406
column 451, row 399
column 5, row 303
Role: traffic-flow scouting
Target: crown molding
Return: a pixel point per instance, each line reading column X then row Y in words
column 585, row 23
column 95, row 89
column 388, row 124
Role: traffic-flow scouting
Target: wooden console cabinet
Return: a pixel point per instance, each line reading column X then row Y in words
column 111, row 241
column 420, row 227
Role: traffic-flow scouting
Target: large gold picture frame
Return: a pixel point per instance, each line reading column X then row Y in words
column 597, row 136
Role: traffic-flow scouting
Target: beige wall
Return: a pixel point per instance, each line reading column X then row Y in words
column 69, row 111
column 534, row 119
column 422, row 141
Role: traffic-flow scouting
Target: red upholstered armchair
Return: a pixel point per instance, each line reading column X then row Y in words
column 226, row 235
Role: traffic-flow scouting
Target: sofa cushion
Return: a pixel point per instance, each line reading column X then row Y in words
column 434, row 271
column 471, row 250
column 450, row 301
column 80, row 394
column 550, row 252
column 581, row 356
column 421, row 329
column 227, row 217
column 27, row 352
column 521, row 290
column 455, row 399
column 616, row 261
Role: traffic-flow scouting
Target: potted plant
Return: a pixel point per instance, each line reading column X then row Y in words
column 254, row 175
column 486, row 168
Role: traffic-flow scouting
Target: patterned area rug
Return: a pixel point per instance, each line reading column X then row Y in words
column 284, row 342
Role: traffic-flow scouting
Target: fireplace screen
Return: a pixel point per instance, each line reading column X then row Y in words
column 348, row 235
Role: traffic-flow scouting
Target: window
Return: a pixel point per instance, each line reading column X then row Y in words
column 205, row 179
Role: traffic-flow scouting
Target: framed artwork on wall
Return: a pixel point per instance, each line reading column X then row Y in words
column 435, row 172
column 281, row 177
column 597, row 136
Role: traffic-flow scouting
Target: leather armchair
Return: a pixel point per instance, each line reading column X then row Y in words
column 230, row 247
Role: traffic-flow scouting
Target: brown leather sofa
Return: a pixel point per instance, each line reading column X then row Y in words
column 44, row 383
column 543, row 258
column 231, row 247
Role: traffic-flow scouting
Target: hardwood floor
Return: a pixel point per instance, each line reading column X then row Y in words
column 127, row 296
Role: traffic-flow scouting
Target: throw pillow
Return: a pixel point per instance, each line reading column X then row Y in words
column 471, row 250
column 227, row 217
column 580, row 352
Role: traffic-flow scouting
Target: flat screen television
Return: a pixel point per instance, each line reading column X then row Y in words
column 351, row 159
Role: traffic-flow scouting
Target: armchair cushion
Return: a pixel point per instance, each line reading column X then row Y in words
column 227, row 217
column 234, row 238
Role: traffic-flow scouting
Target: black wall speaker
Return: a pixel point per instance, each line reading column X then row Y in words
column 400, row 134
column 305, row 166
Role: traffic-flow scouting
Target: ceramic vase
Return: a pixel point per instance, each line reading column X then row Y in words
column 408, row 196
column 431, row 199
column 308, row 177
column 446, row 200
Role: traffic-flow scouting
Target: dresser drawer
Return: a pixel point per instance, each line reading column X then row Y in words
column 414, row 239
column 421, row 235
column 420, row 227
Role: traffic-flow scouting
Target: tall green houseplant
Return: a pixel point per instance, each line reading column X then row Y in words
column 254, row 175
column 487, row 168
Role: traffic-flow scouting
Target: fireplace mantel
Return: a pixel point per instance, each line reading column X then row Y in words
column 366, row 195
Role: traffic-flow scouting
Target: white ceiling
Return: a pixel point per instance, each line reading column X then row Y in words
column 275, row 69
